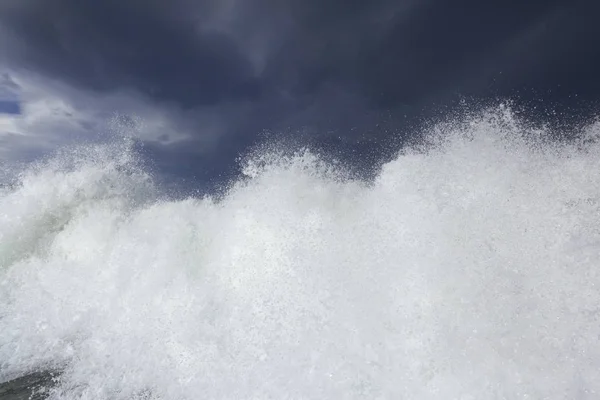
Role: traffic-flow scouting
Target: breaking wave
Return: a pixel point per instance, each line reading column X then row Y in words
column 467, row 269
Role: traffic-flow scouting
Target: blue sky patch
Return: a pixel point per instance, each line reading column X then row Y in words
column 10, row 107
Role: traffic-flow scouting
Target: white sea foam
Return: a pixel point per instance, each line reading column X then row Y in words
column 466, row 270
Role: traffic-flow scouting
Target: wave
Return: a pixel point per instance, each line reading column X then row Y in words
column 468, row 268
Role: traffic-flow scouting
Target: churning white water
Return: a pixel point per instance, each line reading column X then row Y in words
column 469, row 269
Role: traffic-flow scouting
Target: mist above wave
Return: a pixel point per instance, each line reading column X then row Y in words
column 466, row 269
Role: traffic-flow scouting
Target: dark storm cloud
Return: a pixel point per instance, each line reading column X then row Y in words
column 391, row 52
column 109, row 44
column 347, row 73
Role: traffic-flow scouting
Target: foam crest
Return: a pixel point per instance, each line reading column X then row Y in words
column 49, row 193
column 466, row 269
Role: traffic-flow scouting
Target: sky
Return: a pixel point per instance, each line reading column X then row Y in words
column 200, row 82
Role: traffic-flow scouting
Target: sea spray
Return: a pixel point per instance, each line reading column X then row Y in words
column 466, row 269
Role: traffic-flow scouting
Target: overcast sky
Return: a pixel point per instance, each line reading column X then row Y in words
column 204, row 79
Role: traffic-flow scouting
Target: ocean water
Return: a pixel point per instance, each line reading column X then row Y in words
column 469, row 268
